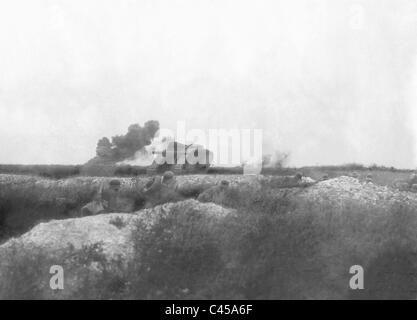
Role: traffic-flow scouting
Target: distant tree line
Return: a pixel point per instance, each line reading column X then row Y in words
column 47, row 171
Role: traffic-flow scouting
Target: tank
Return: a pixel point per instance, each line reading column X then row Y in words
column 181, row 158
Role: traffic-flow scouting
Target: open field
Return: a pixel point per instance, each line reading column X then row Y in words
column 381, row 175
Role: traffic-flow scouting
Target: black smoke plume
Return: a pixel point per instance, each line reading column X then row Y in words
column 125, row 146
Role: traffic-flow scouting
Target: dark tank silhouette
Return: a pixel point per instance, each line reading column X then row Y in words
column 181, row 158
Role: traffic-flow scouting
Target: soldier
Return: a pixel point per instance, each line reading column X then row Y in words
column 293, row 181
column 224, row 185
column 111, row 195
column 298, row 177
column 161, row 190
column 412, row 180
column 105, row 200
column 216, row 194
column 401, row 185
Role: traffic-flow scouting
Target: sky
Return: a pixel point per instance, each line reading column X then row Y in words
column 329, row 82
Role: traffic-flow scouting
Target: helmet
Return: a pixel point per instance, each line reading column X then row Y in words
column 115, row 183
column 168, row 175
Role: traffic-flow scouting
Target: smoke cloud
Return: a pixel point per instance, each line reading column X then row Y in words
column 126, row 146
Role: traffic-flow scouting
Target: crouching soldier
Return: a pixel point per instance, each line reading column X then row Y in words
column 105, row 200
column 215, row 194
column 161, row 190
column 412, row 180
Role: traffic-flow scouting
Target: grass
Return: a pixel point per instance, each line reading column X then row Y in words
column 272, row 248
column 26, row 276
column 25, row 201
column 183, row 245
column 385, row 176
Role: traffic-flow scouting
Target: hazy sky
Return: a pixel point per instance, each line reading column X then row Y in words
column 330, row 82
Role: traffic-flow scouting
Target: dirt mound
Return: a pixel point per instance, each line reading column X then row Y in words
column 112, row 229
column 54, row 236
column 105, row 239
column 342, row 189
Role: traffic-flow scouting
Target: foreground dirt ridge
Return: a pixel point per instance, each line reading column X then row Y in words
column 113, row 230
